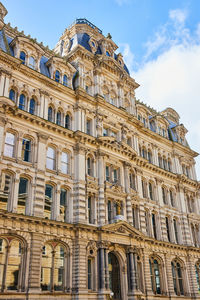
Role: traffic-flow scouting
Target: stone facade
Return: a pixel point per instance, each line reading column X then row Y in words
column 98, row 192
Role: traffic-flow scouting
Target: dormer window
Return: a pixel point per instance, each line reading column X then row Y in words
column 22, row 57
column 107, row 53
column 65, row 80
column 12, row 95
column 32, row 62
column 57, row 76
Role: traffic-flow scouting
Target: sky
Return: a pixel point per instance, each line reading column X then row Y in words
column 159, row 40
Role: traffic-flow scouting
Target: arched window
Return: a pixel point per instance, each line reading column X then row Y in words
column 9, row 147
column 149, row 155
column 58, row 118
column 53, row 271
column 169, row 165
column 171, row 198
column 164, row 195
column 12, row 95
column 23, row 57
column 197, row 270
column 68, row 121
column 26, row 149
column 107, row 53
column 154, row 227
column 6, row 181
column 22, row 195
column 22, row 102
column 10, row 264
column 89, row 166
column 49, row 194
column 175, row 231
column 65, row 166
column 51, row 158
column 177, row 275
column 57, row 76
column 32, row 62
column 168, row 229
column 155, row 275
column 32, row 106
column 165, row 165
column 65, row 80
column 151, row 191
column 160, row 161
column 63, row 204
column 132, row 180
column 50, row 114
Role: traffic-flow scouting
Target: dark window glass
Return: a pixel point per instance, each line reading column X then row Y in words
column 167, row 228
column 150, row 191
column 109, row 211
column 32, row 106
column 65, row 80
column 67, row 121
column 154, row 225
column 12, row 95
column 89, row 274
column 50, row 114
column 58, row 118
column 57, row 76
column 22, row 57
column 22, row 102
column 26, row 150
column 175, row 230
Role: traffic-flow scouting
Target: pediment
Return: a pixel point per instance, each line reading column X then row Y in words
column 122, row 227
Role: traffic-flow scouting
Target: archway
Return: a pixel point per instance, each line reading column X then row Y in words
column 114, row 276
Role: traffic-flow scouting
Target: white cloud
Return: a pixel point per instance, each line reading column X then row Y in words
column 169, row 75
column 128, row 56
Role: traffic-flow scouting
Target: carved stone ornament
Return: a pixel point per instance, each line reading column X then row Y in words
column 91, row 248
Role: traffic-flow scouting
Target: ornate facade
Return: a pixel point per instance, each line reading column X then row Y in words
column 98, row 192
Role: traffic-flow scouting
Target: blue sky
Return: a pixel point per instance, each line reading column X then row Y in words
column 160, row 41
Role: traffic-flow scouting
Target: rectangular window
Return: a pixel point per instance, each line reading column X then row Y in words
column 105, row 132
column 64, row 163
column 90, row 210
column 50, row 162
column 115, row 175
column 154, row 226
column 26, row 150
column 107, row 173
column 113, row 134
column 89, row 274
column 109, row 211
column 88, row 126
column 9, row 144
column 60, row 275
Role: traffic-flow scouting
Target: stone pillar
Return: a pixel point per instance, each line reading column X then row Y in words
column 79, row 203
column 136, row 144
column 190, row 267
column 127, row 191
column 169, row 275
column 14, row 200
column 120, row 94
column 43, row 113
column 147, row 275
column 103, row 271
column 101, row 196
column 183, row 221
column 97, row 83
column 2, row 126
column 4, row 82
column 35, row 263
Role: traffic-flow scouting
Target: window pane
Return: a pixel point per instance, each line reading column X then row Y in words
column 57, row 76
column 12, row 95
column 32, row 62
column 9, row 144
column 22, row 102
column 22, row 57
column 65, row 80
column 64, row 163
column 26, row 149
column 32, row 106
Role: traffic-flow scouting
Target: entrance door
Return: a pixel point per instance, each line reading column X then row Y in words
column 114, row 276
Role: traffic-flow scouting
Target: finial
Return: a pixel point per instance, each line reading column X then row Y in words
column 109, row 36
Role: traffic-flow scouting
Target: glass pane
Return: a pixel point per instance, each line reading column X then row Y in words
column 12, row 95
column 32, row 106
column 14, row 260
column 59, row 268
column 32, row 62
column 22, row 195
column 22, row 57
column 65, row 80
column 57, row 76
column 22, row 102
column 46, row 265
column 5, row 188
column 63, row 203
column 26, row 149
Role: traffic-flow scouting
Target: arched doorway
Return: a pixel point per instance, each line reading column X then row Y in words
column 114, row 276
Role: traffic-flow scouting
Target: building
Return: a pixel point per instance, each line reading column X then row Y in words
column 98, row 192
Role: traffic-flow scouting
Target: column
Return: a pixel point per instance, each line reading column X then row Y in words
column 43, row 113
column 79, row 205
column 169, row 282
column 35, row 262
column 127, row 191
column 4, row 82
column 2, row 125
column 14, row 200
column 101, row 196
column 97, row 84
column 120, row 94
